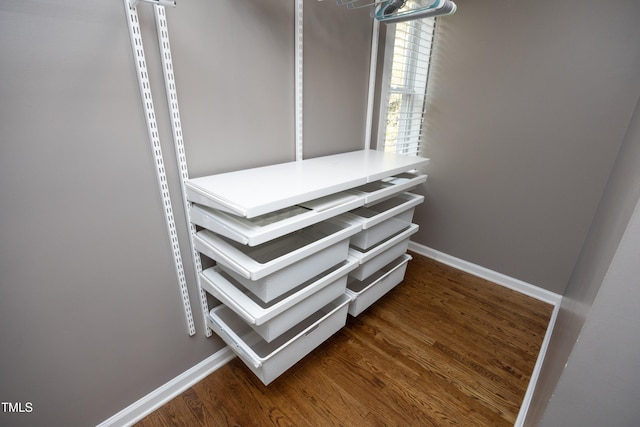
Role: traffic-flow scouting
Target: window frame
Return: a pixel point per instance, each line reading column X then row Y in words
column 411, row 95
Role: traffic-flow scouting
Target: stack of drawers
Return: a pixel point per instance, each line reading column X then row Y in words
column 380, row 248
column 299, row 245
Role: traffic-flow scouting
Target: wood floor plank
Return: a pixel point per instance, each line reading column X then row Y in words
column 443, row 348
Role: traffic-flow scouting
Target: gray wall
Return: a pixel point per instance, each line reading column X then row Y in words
column 337, row 46
column 534, row 133
column 529, row 104
column 234, row 69
column 602, row 368
column 601, row 383
column 90, row 314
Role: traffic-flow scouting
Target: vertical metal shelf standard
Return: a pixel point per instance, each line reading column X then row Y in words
column 176, row 126
column 298, row 78
column 154, row 139
column 172, row 99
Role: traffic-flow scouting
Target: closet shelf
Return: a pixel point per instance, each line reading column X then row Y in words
column 253, row 192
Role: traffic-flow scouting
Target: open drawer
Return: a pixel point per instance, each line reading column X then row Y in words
column 383, row 219
column 273, row 319
column 363, row 293
column 381, row 254
column 268, row 360
column 387, row 187
column 260, row 229
column 275, row 267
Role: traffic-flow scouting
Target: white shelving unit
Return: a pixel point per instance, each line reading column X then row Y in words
column 253, row 192
column 299, row 245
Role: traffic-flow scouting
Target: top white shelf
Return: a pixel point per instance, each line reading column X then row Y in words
column 257, row 191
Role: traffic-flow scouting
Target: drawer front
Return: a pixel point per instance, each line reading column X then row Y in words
column 254, row 263
column 379, row 212
column 268, row 360
column 388, row 187
column 284, row 280
column 297, row 313
column 373, row 265
column 383, row 219
column 370, row 237
column 364, row 293
column 257, row 230
column 381, row 254
column 272, row 319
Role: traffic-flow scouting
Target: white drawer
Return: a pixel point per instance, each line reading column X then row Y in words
column 295, row 250
column 381, row 254
column 363, row 293
column 273, row 319
column 268, row 360
column 282, row 281
column 260, row 229
column 383, row 219
column 387, row 187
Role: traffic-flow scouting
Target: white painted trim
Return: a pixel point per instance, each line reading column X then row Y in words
column 373, row 67
column 154, row 400
column 526, row 401
column 485, row 273
column 518, row 286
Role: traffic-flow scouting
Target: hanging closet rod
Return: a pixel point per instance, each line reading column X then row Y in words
column 353, row 4
column 172, row 3
column 392, row 11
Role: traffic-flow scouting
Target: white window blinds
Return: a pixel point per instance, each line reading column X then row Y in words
column 406, row 85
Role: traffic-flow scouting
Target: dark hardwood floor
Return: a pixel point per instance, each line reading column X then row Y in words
column 442, row 348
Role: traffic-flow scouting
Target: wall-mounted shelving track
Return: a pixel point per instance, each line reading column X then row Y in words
column 299, row 42
column 176, row 127
column 172, row 100
column 154, row 138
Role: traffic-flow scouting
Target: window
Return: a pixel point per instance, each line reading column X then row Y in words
column 405, row 84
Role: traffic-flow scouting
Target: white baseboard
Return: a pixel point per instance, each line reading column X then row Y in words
column 149, row 403
column 152, row 401
column 511, row 283
column 526, row 401
column 493, row 276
